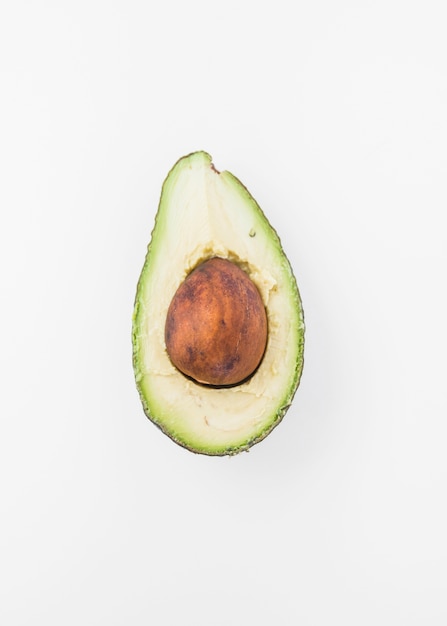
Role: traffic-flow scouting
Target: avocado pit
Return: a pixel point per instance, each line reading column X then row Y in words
column 216, row 325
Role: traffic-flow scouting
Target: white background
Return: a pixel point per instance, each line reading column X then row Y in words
column 333, row 114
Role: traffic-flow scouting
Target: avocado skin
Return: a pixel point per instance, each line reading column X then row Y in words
column 228, row 450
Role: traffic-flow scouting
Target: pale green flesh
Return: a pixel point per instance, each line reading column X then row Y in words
column 202, row 214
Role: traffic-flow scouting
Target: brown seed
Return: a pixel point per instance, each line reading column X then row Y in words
column 216, row 326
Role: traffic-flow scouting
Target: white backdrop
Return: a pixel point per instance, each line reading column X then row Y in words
column 333, row 114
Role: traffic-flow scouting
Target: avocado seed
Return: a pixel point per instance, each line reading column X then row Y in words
column 216, row 326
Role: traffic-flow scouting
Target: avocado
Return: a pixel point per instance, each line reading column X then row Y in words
column 218, row 327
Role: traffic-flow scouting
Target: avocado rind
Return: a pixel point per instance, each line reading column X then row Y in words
column 196, row 433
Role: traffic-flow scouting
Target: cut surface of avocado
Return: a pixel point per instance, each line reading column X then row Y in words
column 204, row 214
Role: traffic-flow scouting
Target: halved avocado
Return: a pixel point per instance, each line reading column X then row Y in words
column 205, row 214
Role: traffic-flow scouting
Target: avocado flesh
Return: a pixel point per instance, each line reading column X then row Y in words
column 203, row 214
